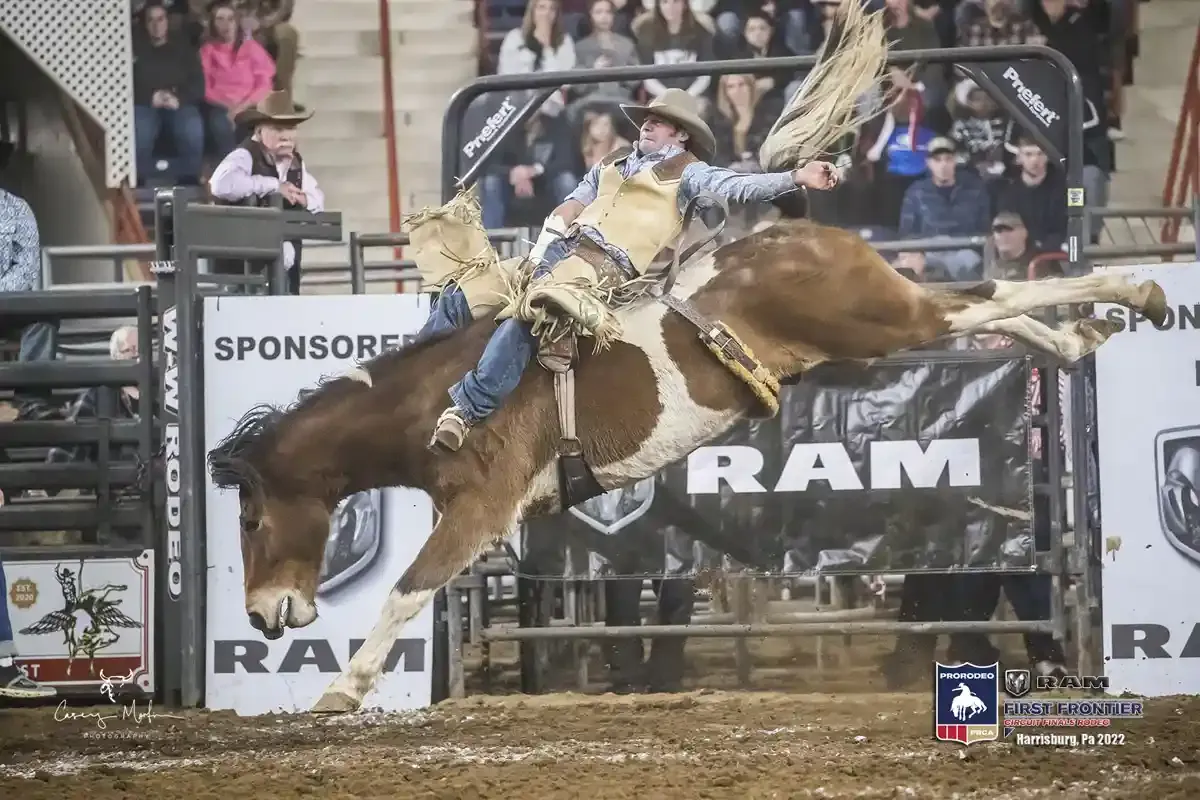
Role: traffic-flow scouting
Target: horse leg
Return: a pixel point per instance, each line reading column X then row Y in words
column 466, row 526
column 1067, row 343
column 993, row 300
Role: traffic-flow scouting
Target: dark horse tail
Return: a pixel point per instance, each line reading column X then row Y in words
column 851, row 63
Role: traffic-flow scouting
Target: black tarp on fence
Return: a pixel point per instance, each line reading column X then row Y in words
column 900, row 467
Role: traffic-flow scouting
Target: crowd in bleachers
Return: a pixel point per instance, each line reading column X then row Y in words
column 936, row 158
column 198, row 66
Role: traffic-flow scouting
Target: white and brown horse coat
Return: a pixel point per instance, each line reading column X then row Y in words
column 798, row 294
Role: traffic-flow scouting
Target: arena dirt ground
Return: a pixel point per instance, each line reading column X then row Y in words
column 702, row 744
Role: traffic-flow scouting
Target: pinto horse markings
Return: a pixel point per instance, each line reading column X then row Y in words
column 799, row 294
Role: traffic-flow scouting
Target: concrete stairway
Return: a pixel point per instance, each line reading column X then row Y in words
column 340, row 77
column 1168, row 32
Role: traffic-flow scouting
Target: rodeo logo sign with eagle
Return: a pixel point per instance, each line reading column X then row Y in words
column 88, row 621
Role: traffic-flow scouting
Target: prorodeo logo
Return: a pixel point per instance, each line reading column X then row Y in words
column 1031, row 99
column 490, row 127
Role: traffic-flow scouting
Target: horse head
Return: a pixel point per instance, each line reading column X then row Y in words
column 284, row 523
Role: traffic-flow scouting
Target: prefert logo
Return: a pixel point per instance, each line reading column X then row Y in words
column 1032, row 100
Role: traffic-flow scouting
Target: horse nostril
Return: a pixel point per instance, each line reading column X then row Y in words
column 257, row 622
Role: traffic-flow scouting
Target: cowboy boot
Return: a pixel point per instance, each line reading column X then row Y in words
column 450, row 432
column 572, row 290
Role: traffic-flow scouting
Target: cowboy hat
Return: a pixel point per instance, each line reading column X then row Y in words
column 680, row 108
column 278, row 108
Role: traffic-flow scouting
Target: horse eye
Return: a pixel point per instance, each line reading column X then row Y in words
column 251, row 525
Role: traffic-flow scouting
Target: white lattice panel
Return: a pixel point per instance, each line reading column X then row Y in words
column 84, row 45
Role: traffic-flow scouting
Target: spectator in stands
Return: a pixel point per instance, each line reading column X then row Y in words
column 599, row 138
column 1078, row 29
column 741, row 122
column 758, row 40
column 539, row 45
column 909, row 30
column 979, row 130
column 603, row 48
column 994, row 22
column 123, row 404
column 269, row 22
column 673, row 35
column 168, row 87
column 21, row 271
column 266, row 164
column 1011, row 249
column 624, row 13
column 1036, row 195
column 238, row 74
column 794, row 37
column 899, row 144
column 538, row 170
column 14, row 683
column 950, row 202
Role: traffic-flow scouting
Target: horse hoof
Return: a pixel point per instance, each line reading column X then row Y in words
column 335, row 703
column 1154, row 307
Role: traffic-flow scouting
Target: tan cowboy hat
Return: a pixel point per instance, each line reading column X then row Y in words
column 676, row 105
column 277, row 107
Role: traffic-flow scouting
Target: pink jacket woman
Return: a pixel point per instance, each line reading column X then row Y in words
column 236, row 74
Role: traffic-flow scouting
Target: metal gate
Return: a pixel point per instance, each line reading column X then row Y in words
column 1006, row 73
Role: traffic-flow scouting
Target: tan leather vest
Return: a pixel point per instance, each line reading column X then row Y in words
column 640, row 215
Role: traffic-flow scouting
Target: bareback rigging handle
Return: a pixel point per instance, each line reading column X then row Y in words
column 690, row 212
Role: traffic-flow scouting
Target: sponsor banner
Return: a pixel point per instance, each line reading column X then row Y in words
column 1034, row 92
column 485, row 120
column 78, row 622
column 1148, row 413
column 893, row 467
column 265, row 350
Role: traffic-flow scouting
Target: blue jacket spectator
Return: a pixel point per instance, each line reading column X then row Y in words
column 951, row 202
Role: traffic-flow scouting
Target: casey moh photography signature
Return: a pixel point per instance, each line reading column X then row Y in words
column 128, row 712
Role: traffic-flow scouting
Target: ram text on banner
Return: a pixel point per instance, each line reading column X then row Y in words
column 1148, row 414
column 265, row 350
column 889, row 467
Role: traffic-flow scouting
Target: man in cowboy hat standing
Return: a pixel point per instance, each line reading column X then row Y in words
column 266, row 164
column 626, row 210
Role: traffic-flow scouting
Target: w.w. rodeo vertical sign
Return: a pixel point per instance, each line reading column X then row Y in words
column 265, row 350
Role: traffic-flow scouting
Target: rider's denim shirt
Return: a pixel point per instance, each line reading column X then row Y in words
column 697, row 178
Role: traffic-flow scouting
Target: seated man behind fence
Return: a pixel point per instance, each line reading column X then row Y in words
column 627, row 209
column 266, row 164
column 951, row 202
column 121, row 404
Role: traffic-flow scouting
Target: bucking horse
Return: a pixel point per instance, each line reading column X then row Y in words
column 685, row 365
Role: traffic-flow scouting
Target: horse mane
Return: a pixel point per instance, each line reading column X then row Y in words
column 237, row 460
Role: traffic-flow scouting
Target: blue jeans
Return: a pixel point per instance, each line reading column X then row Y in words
column 496, row 193
column 185, row 127
column 7, row 647
column 508, row 351
column 221, row 130
column 39, row 342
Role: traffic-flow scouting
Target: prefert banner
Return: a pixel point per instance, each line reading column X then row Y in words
column 485, row 120
column 265, row 350
column 1034, row 92
column 895, row 467
column 1148, row 415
